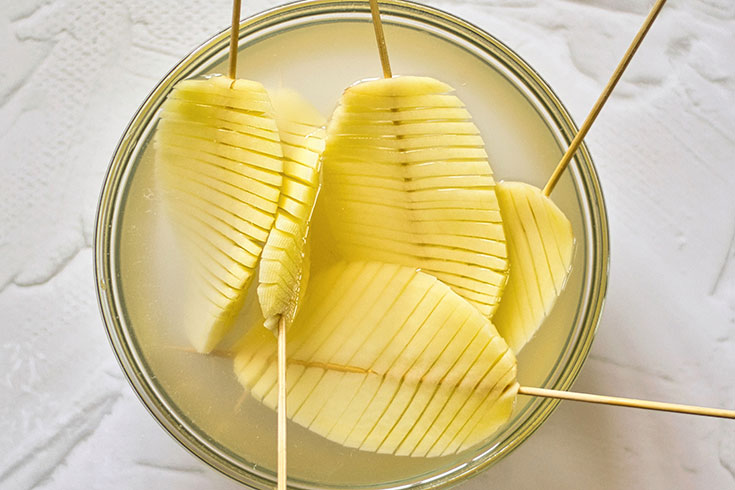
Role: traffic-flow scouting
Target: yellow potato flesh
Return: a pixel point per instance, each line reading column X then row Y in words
column 302, row 138
column 219, row 163
column 540, row 248
column 406, row 180
column 419, row 371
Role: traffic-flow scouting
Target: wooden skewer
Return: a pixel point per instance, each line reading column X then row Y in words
column 281, row 476
column 234, row 38
column 603, row 98
column 522, row 390
column 282, row 403
column 627, row 402
column 380, row 38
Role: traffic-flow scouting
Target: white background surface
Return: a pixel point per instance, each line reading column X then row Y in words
column 72, row 73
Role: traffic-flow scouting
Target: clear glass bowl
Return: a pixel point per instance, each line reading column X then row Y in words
column 319, row 48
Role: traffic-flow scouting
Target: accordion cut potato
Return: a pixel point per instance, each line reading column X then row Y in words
column 282, row 273
column 415, row 368
column 219, row 164
column 398, row 328
column 407, row 181
column 540, row 248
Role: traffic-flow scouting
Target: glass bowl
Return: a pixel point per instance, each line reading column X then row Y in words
column 318, row 48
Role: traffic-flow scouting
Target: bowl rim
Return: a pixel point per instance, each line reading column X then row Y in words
column 109, row 207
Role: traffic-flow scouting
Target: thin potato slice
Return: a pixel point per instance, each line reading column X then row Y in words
column 406, row 180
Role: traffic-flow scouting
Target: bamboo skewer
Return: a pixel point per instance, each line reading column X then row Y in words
column 281, row 470
column 532, row 391
column 234, row 38
column 577, row 141
column 380, row 38
column 282, row 403
column 627, row 402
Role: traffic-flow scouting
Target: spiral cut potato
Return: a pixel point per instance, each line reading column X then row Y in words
column 219, row 163
column 540, row 248
column 284, row 268
column 386, row 358
column 407, row 181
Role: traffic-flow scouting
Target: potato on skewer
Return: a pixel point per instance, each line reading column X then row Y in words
column 517, row 323
column 407, row 181
column 220, row 163
column 418, row 370
column 284, row 267
column 540, row 249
